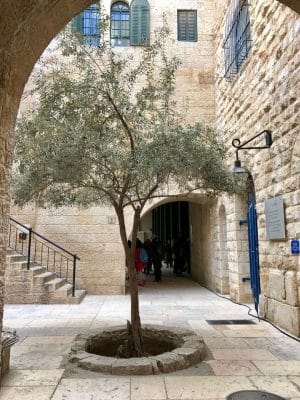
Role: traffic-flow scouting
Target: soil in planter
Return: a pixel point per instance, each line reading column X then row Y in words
column 118, row 347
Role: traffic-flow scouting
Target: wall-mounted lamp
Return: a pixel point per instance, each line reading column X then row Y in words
column 237, row 168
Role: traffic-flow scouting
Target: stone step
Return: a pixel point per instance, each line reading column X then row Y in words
column 16, row 257
column 64, row 291
column 56, row 283
column 60, row 292
column 44, row 277
column 37, row 270
column 79, row 295
column 23, row 264
column 10, row 252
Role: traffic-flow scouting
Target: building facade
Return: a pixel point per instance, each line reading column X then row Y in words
column 240, row 71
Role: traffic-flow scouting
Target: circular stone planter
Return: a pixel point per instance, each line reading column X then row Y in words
column 171, row 349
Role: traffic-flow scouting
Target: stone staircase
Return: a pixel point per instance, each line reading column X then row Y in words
column 36, row 285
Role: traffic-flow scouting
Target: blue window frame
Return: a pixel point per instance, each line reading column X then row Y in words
column 87, row 23
column 187, row 25
column 237, row 43
column 119, row 24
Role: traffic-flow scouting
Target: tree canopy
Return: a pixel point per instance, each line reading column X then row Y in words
column 107, row 130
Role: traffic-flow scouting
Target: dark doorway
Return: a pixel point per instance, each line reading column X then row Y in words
column 171, row 221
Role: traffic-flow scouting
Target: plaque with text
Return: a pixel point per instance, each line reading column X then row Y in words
column 275, row 224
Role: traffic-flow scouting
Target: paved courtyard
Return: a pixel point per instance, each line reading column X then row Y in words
column 240, row 357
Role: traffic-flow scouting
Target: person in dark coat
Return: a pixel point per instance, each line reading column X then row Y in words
column 157, row 256
column 148, row 246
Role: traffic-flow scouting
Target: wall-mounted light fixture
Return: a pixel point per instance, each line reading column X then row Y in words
column 237, row 168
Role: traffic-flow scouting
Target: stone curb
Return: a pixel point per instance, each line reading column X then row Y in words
column 190, row 350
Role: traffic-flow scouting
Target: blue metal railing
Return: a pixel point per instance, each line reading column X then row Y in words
column 38, row 249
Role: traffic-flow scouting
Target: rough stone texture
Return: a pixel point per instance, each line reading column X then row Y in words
column 276, row 289
column 190, row 350
column 96, row 363
column 284, row 315
column 132, row 366
column 263, row 95
column 36, row 285
column 291, row 288
column 171, row 361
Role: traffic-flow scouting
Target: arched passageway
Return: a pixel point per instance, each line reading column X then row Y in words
column 215, row 240
column 170, row 222
column 218, row 240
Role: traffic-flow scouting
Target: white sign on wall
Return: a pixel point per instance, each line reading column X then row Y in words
column 275, row 224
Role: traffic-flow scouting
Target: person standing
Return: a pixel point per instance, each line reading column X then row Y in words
column 169, row 260
column 147, row 246
column 157, row 258
column 141, row 259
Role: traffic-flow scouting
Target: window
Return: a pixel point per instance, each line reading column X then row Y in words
column 119, row 24
column 139, row 23
column 237, row 43
column 87, row 23
column 127, row 26
column 187, row 25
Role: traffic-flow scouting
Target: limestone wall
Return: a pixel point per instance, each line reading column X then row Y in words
column 92, row 234
column 265, row 95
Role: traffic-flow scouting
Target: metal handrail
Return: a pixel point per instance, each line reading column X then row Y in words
column 44, row 238
column 40, row 242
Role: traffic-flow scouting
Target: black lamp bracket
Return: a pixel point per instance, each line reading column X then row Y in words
column 243, row 146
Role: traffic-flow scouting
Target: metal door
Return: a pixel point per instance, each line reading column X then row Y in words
column 253, row 250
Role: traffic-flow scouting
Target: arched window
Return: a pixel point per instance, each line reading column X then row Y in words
column 87, row 23
column 119, row 24
column 139, row 23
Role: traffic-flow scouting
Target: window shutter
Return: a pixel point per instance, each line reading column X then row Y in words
column 187, row 25
column 192, row 26
column 139, row 23
column 77, row 23
column 182, row 21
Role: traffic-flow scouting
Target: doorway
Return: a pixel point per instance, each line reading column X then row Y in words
column 171, row 221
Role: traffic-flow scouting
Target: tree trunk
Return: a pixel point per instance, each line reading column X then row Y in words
column 134, row 328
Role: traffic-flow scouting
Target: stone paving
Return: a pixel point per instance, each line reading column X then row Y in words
column 240, row 357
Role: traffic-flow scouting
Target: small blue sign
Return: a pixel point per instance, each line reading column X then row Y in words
column 295, row 246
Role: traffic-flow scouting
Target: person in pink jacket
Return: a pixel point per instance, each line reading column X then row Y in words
column 141, row 260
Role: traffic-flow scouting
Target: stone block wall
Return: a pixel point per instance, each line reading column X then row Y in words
column 20, row 286
column 220, row 258
column 92, row 234
column 263, row 95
